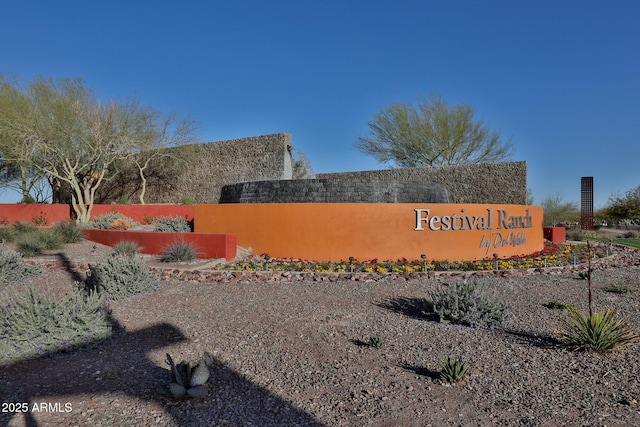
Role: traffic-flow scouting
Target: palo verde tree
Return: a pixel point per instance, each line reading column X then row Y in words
column 433, row 133
column 557, row 210
column 78, row 140
column 17, row 154
column 169, row 131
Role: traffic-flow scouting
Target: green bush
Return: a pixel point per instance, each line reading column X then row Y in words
column 50, row 239
column 30, row 244
column 37, row 241
column 126, row 248
column 112, row 220
column 21, row 227
column 35, row 324
column 187, row 200
column 6, row 234
column 13, row 269
column 558, row 305
column 468, row 304
column 179, row 252
column 69, row 231
column 172, row 224
column 119, row 277
column 576, row 235
column 618, row 289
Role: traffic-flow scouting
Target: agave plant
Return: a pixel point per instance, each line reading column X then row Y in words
column 599, row 331
column 453, row 370
column 189, row 381
column 376, row 342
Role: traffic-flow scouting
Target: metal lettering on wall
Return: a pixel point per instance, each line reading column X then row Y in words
column 586, row 217
column 509, row 235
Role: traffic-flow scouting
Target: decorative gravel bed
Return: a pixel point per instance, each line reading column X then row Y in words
column 292, row 351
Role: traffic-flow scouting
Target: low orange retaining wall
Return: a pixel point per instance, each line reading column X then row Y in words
column 208, row 245
column 39, row 214
column 337, row 231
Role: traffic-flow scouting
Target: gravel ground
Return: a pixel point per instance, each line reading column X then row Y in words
column 294, row 353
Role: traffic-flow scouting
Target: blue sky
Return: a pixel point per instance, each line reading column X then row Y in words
column 561, row 78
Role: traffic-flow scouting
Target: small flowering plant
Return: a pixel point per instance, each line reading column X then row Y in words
column 553, row 255
column 120, row 224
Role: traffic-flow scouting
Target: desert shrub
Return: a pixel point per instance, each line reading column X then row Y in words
column 69, row 231
column 576, row 235
column 35, row 324
column 558, row 305
column 6, row 234
column 112, row 221
column 37, row 241
column 120, row 277
column 21, row 227
column 629, row 235
column 600, row 331
column 126, row 248
column 179, row 251
column 149, row 219
column 618, row 289
column 468, row 304
column 50, row 239
column 453, row 370
column 13, row 269
column 172, row 224
column 30, row 244
column 40, row 220
column 187, row 200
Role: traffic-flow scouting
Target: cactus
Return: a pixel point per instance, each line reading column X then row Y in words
column 189, row 381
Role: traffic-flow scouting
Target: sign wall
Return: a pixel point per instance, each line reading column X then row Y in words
column 386, row 231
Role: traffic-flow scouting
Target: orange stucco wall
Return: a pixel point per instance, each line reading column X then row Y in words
column 11, row 213
column 55, row 213
column 337, row 231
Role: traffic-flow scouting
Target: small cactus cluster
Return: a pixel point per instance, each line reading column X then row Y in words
column 189, row 381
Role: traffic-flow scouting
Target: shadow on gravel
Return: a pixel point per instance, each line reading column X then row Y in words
column 534, row 339
column 416, row 308
column 70, row 267
column 104, row 370
column 360, row 343
column 422, row 371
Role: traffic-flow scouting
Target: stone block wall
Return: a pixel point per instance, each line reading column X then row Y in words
column 210, row 166
column 336, row 190
column 502, row 183
column 200, row 171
